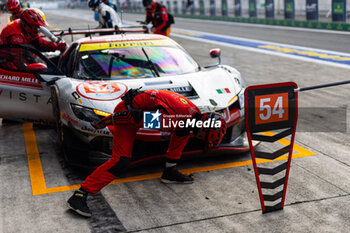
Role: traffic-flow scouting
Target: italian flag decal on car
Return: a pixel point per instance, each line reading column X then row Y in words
column 223, row 91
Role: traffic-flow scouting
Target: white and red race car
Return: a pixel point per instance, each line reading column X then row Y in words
column 87, row 82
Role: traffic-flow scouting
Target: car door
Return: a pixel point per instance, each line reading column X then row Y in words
column 25, row 78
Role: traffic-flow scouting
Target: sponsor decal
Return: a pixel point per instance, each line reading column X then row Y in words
column 157, row 120
column 125, row 44
column 311, row 7
column 95, row 131
column 76, row 96
column 68, row 118
column 103, row 91
column 223, row 91
column 26, row 97
column 183, row 101
column 19, row 80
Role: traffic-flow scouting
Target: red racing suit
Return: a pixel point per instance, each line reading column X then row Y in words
column 125, row 129
column 14, row 33
column 158, row 15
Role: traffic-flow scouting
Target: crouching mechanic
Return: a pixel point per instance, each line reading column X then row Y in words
column 127, row 119
column 25, row 30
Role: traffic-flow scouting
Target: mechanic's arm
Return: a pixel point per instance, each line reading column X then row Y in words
column 103, row 123
column 15, row 39
column 46, row 46
column 165, row 19
column 148, row 17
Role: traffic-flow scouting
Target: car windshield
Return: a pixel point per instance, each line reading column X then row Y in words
column 134, row 63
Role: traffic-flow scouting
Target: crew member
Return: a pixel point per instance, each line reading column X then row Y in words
column 14, row 7
column 111, row 4
column 158, row 15
column 25, row 31
column 127, row 119
column 108, row 17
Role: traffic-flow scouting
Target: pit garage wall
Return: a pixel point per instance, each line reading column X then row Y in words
column 324, row 21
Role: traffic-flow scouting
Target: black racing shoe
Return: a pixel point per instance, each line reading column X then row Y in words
column 77, row 202
column 172, row 176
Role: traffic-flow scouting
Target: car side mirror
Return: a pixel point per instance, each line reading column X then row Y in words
column 36, row 67
column 215, row 53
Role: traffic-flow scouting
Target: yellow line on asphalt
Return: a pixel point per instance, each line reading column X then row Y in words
column 39, row 185
column 34, row 163
column 185, row 33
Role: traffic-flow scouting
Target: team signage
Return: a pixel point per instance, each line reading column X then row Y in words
column 253, row 11
column 201, row 7
column 175, row 7
column 224, row 8
column 271, row 107
column 238, row 8
column 311, row 9
column 193, row 8
column 289, row 9
column 212, row 8
column 183, row 7
column 168, row 6
column 269, row 8
column 339, row 10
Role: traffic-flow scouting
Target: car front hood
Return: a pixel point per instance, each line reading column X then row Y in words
column 210, row 90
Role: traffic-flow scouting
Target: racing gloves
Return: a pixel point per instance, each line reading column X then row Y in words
column 61, row 46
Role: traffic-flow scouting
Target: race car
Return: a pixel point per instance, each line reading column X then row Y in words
column 86, row 82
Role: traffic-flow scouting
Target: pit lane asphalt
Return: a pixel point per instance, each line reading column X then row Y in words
column 222, row 200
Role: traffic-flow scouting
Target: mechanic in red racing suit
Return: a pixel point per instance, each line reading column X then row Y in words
column 158, row 15
column 25, row 31
column 14, row 7
column 127, row 119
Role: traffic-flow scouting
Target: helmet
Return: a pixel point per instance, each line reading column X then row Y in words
column 93, row 3
column 32, row 20
column 40, row 13
column 146, row 2
column 13, row 6
column 215, row 131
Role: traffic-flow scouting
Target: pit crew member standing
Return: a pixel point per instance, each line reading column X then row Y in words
column 158, row 15
column 15, row 8
column 108, row 17
column 127, row 119
column 25, row 31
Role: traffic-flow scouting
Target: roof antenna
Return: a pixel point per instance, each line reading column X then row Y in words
column 89, row 32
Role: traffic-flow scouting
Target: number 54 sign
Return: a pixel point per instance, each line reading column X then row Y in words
column 267, row 108
column 271, row 106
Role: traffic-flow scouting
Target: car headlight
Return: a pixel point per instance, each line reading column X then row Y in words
column 88, row 114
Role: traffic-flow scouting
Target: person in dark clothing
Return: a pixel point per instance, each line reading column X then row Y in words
column 158, row 15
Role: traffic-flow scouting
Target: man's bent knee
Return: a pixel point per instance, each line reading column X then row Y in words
column 120, row 166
